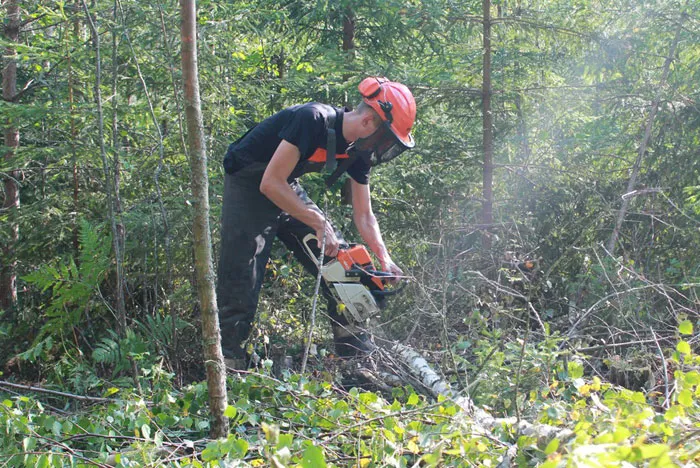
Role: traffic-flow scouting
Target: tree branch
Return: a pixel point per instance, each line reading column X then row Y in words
column 31, row 388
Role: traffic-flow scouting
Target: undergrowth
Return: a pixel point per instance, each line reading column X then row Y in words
column 308, row 421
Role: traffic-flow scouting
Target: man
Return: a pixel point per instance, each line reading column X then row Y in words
column 263, row 199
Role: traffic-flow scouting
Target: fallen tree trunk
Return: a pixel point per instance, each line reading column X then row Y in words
column 438, row 386
column 394, row 364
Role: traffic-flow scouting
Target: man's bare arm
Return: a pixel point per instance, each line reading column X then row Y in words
column 367, row 225
column 274, row 186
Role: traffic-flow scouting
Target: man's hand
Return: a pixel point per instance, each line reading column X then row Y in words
column 389, row 266
column 332, row 243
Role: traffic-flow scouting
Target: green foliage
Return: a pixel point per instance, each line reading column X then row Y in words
column 693, row 199
column 573, row 83
column 74, row 288
column 118, row 352
column 490, row 365
column 275, row 422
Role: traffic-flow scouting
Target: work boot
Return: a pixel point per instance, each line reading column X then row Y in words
column 350, row 342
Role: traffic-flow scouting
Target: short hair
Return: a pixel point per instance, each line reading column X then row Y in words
column 363, row 107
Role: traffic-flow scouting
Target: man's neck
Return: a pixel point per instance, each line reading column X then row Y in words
column 350, row 120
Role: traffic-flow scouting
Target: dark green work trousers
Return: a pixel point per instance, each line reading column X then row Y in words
column 250, row 222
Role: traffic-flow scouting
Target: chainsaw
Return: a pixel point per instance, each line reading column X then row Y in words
column 353, row 280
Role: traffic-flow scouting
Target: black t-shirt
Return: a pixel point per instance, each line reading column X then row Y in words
column 304, row 126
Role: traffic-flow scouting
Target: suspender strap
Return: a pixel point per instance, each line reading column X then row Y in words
column 342, row 167
column 332, row 166
column 331, row 145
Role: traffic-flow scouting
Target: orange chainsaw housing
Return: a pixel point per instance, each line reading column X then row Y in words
column 358, row 256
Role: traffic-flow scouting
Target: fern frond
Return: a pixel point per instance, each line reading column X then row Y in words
column 73, row 287
column 107, row 350
column 159, row 328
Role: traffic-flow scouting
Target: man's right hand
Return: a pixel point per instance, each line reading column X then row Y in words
column 332, row 243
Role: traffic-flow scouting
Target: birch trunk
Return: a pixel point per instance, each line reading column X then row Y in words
column 482, row 421
column 211, row 334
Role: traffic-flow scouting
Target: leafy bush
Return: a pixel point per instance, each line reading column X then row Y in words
column 298, row 421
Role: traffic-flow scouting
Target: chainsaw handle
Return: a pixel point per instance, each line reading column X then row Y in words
column 391, row 292
column 310, row 243
column 380, row 274
column 309, row 249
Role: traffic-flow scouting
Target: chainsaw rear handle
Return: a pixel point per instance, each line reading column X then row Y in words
column 311, row 250
column 370, row 273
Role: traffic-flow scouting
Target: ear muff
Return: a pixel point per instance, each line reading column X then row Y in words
column 369, row 87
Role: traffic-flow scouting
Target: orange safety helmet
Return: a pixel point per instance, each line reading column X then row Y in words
column 395, row 105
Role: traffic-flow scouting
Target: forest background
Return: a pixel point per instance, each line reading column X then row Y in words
column 549, row 216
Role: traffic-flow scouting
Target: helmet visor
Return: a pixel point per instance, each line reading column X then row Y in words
column 380, row 147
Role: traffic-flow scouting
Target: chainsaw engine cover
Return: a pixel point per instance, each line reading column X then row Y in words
column 359, row 302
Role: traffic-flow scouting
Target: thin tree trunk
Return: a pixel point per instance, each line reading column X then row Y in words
column 612, row 242
column 211, row 334
column 523, row 141
column 524, row 152
column 8, row 262
column 349, row 52
column 487, row 124
column 164, row 217
column 116, row 167
column 174, row 81
column 177, row 88
column 119, row 290
column 349, row 33
column 183, row 144
column 74, row 136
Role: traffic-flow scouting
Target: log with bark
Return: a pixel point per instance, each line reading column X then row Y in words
column 394, row 364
